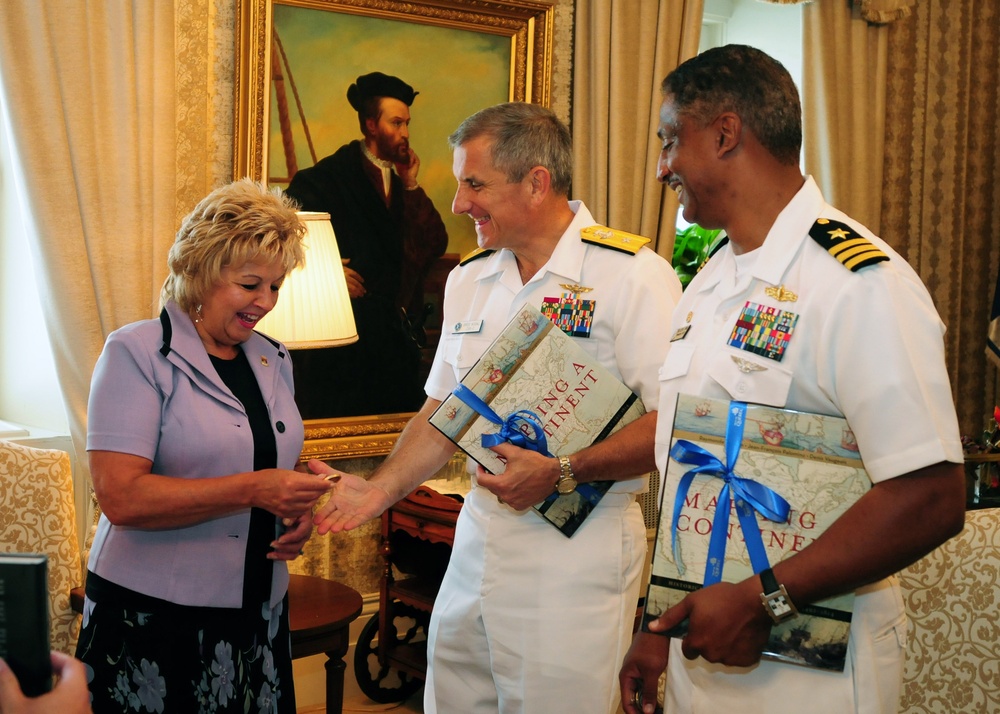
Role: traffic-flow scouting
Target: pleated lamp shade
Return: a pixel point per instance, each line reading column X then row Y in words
column 313, row 308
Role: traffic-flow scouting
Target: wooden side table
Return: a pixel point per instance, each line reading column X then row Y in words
column 320, row 613
column 390, row 656
column 979, row 492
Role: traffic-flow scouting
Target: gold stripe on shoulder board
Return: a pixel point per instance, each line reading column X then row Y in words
column 475, row 255
column 852, row 250
column 612, row 238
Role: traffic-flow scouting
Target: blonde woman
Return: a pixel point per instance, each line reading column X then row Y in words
column 193, row 435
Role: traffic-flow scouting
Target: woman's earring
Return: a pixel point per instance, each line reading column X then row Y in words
column 197, row 312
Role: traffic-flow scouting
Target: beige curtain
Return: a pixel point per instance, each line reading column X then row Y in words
column 622, row 52
column 88, row 87
column 121, row 116
column 941, row 202
column 901, row 134
column 843, row 98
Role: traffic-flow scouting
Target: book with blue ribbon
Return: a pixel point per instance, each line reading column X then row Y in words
column 535, row 387
column 747, row 486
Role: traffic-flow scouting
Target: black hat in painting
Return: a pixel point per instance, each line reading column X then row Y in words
column 377, row 84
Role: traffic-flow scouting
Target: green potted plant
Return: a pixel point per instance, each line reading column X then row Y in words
column 692, row 247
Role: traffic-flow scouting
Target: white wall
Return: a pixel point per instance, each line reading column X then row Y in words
column 774, row 28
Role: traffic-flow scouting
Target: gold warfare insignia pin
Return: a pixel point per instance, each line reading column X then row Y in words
column 575, row 289
column 781, row 294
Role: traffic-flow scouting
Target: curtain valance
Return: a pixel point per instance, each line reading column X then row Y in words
column 875, row 11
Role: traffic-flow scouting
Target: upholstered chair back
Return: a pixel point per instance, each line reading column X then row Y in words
column 37, row 515
column 952, row 598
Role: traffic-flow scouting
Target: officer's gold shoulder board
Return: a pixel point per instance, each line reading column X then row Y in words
column 475, row 255
column 612, row 238
column 843, row 243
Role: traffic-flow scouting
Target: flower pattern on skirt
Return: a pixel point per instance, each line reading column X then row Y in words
column 187, row 660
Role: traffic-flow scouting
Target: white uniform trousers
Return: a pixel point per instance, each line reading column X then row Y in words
column 871, row 682
column 528, row 621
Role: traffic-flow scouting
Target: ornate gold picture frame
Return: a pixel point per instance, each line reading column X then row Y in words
column 527, row 25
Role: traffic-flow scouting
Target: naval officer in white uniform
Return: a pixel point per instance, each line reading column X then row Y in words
column 528, row 620
column 860, row 338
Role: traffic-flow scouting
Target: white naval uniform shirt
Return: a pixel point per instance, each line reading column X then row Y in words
column 867, row 346
column 633, row 297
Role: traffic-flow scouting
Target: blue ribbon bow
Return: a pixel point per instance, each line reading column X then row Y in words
column 750, row 496
column 512, row 428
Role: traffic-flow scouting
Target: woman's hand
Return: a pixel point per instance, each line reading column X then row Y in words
column 289, row 545
column 288, row 494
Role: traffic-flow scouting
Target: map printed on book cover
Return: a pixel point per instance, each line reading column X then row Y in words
column 809, row 460
column 540, row 390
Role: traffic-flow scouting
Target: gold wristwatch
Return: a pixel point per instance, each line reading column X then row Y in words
column 567, row 482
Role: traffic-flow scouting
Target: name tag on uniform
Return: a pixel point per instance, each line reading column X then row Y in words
column 681, row 333
column 468, row 327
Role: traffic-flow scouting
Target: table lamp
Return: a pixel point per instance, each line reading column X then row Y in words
column 313, row 308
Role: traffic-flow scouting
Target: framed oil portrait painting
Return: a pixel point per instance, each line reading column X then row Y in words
column 295, row 62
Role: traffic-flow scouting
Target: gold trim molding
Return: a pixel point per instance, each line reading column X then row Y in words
column 352, row 437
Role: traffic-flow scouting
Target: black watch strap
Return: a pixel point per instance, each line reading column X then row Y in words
column 768, row 581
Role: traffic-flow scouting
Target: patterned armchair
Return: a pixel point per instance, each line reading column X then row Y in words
column 37, row 515
column 952, row 598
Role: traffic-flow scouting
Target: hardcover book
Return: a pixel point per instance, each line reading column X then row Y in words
column 24, row 620
column 550, row 394
column 809, row 460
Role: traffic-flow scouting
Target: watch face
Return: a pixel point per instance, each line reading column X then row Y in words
column 779, row 606
column 566, row 485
